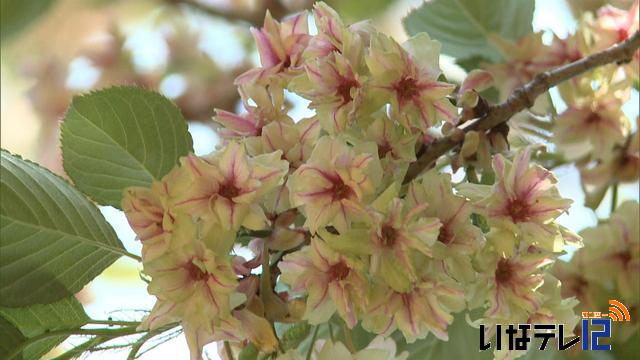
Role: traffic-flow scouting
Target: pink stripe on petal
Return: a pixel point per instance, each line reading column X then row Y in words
column 476, row 80
column 498, row 166
column 312, row 125
column 447, row 113
column 268, row 55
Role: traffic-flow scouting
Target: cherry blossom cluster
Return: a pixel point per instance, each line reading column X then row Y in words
column 615, row 246
column 332, row 223
column 593, row 131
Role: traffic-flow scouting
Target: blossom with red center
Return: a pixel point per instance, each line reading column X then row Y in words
column 336, row 91
column 458, row 239
column 406, row 76
column 622, row 167
column 198, row 288
column 332, row 281
column 527, row 57
column 397, row 232
column 615, row 247
column 509, row 285
column 426, row 308
column 592, row 125
column 333, row 186
column 613, row 25
column 525, row 201
column 280, row 46
column 226, row 186
column 263, row 105
column 574, row 278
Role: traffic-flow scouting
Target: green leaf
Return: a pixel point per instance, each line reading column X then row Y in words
column 295, row 335
column 121, row 137
column 10, row 338
column 464, row 27
column 250, row 352
column 15, row 15
column 37, row 319
column 53, row 241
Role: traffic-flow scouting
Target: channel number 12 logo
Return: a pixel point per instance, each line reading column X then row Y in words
column 617, row 312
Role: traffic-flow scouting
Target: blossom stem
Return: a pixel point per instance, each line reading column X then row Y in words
column 227, row 350
column 347, row 338
column 266, row 289
column 522, row 98
column 331, row 332
column 472, row 177
column 614, row 197
column 138, row 344
column 313, row 342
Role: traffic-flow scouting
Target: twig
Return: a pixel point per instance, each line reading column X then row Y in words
column 522, row 98
column 254, row 17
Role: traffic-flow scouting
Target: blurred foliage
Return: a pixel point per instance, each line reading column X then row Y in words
column 15, row 15
column 465, row 27
column 352, row 11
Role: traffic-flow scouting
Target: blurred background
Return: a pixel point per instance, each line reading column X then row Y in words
column 190, row 51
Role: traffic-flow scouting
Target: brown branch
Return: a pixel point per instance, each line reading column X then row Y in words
column 522, row 98
column 254, row 17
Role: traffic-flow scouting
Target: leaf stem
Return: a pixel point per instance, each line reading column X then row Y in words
column 113, row 322
column 138, row 344
column 331, row 332
column 132, row 256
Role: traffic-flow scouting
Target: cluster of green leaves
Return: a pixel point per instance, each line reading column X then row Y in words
column 53, row 238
